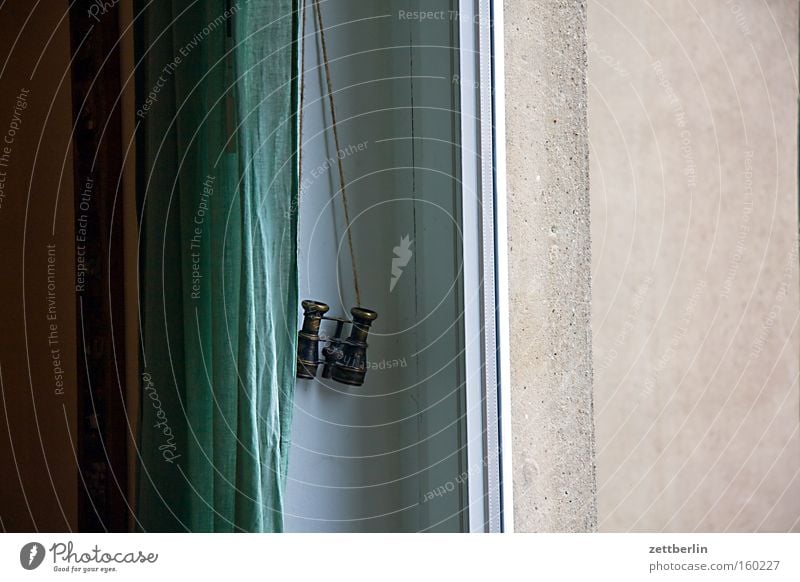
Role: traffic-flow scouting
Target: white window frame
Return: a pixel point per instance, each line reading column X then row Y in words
column 486, row 260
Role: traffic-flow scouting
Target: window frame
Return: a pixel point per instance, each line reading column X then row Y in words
column 485, row 251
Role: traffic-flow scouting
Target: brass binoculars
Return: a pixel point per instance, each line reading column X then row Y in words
column 344, row 359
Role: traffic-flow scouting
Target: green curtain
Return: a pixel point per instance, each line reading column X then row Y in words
column 217, row 182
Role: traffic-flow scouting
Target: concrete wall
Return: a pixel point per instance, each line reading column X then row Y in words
column 693, row 126
column 549, row 264
column 38, row 488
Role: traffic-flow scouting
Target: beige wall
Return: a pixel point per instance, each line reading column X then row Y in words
column 693, row 136
column 38, row 487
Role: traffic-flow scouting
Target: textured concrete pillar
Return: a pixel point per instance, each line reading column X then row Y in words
column 549, row 263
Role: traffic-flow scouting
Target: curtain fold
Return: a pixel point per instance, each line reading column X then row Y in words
column 217, row 182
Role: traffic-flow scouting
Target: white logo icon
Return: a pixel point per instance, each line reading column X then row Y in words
column 403, row 255
column 31, row 556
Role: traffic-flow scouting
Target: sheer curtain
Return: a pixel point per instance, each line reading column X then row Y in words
column 217, row 180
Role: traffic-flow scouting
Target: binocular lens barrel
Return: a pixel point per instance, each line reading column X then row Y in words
column 308, row 339
column 352, row 369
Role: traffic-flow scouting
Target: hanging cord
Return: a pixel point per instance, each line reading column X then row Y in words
column 321, row 29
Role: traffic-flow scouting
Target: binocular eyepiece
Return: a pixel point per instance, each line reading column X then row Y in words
column 345, row 359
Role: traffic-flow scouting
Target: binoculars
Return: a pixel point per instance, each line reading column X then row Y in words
column 345, row 359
